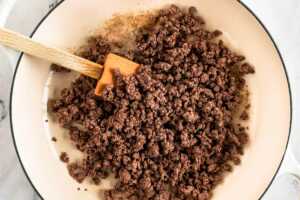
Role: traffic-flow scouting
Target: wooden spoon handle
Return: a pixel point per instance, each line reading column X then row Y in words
column 54, row 55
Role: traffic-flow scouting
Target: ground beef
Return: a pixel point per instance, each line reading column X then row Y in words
column 64, row 157
column 166, row 132
column 57, row 68
column 54, row 139
column 244, row 115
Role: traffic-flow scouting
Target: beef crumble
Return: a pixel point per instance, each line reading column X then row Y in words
column 57, row 68
column 166, row 132
column 54, row 139
column 64, row 157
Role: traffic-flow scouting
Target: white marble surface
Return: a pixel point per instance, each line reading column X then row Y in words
column 280, row 17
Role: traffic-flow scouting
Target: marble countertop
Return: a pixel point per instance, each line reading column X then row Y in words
column 280, row 17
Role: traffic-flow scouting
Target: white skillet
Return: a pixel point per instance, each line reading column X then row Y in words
column 73, row 20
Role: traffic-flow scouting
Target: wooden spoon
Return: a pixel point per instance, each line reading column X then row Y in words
column 68, row 60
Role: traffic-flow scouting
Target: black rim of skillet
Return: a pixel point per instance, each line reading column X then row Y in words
column 244, row 5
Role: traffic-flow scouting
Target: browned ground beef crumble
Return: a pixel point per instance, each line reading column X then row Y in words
column 166, row 132
column 54, row 139
column 64, row 157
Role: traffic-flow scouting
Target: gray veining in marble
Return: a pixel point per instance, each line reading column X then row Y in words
column 13, row 184
column 280, row 17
